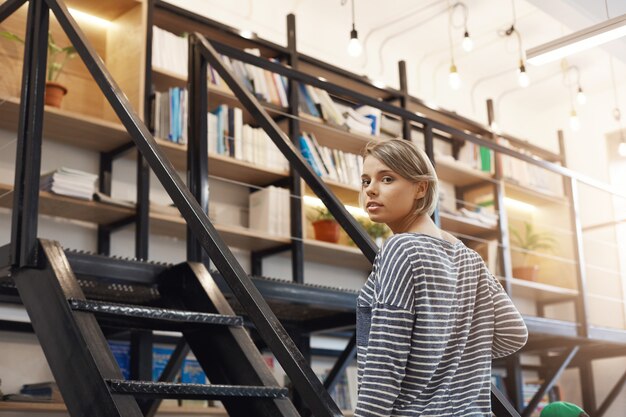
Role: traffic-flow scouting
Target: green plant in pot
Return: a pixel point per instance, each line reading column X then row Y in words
column 530, row 241
column 57, row 58
column 325, row 226
column 378, row 231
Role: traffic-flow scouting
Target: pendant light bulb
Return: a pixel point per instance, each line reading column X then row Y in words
column 354, row 46
column 453, row 78
column 468, row 43
column 581, row 98
column 574, row 121
column 621, row 149
column 522, row 76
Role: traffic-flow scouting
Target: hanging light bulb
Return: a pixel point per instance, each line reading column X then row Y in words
column 581, row 98
column 574, row 121
column 468, row 43
column 354, row 45
column 522, row 76
column 453, row 78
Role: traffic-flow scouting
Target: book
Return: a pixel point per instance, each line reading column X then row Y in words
column 69, row 182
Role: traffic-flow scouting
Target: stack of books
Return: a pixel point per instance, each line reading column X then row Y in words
column 69, row 182
column 269, row 211
column 170, row 115
column 42, row 392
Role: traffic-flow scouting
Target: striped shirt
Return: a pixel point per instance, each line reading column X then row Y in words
column 430, row 318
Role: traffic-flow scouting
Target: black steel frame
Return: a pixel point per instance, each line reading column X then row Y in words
column 24, row 247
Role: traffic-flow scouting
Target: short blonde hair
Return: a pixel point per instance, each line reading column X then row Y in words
column 411, row 163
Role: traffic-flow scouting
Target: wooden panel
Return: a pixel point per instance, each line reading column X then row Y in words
column 460, row 174
column 126, row 44
column 533, row 196
column 540, row 291
column 347, row 194
column 224, row 166
column 72, row 208
column 335, row 254
column 108, row 10
column 469, row 227
column 239, row 237
column 71, row 128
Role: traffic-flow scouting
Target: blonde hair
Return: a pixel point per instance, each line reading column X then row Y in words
column 411, row 163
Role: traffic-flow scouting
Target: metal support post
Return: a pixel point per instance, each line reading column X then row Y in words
column 404, row 99
column 429, row 147
column 104, row 186
column 29, row 136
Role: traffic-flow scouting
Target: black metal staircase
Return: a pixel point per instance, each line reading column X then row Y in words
column 66, row 323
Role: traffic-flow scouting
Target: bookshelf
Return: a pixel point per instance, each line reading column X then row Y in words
column 98, row 130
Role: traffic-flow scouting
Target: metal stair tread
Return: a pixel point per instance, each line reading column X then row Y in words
column 178, row 390
column 152, row 313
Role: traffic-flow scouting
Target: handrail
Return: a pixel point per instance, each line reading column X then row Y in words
column 398, row 111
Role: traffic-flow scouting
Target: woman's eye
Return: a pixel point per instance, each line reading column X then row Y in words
column 387, row 180
column 365, row 183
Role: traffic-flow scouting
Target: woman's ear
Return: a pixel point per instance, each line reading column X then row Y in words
column 421, row 188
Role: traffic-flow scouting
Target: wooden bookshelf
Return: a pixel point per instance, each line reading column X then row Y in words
column 460, row 174
column 539, row 291
column 532, row 196
column 333, row 136
column 225, row 166
column 164, row 79
column 69, row 127
column 335, row 254
column 466, row 226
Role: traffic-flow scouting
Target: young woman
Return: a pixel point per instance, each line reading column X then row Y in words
column 430, row 317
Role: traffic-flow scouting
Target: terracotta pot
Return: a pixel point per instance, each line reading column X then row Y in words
column 326, row 230
column 528, row 273
column 54, row 93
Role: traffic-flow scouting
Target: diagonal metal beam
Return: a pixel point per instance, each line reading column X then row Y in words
column 612, row 396
column 566, row 358
column 500, row 405
column 342, row 363
column 9, row 7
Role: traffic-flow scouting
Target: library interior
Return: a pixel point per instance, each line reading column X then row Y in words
column 220, row 145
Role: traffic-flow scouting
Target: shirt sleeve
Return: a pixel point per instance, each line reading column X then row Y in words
column 510, row 332
column 389, row 341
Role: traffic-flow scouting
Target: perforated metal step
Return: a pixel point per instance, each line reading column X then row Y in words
column 152, row 317
column 192, row 391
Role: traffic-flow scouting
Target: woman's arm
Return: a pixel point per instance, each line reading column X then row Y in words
column 510, row 332
column 389, row 341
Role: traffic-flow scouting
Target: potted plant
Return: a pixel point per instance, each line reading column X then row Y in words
column 530, row 241
column 378, row 231
column 325, row 226
column 57, row 58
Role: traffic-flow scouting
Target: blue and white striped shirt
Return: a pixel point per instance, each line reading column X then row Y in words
column 430, row 318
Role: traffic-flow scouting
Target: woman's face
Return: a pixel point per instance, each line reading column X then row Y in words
column 389, row 198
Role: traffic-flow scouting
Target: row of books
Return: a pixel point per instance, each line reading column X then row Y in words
column 330, row 163
column 269, row 211
column 529, row 175
column 170, row 114
column 170, row 52
column 229, row 136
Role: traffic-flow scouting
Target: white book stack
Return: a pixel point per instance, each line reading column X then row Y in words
column 357, row 122
column 169, row 51
column 69, row 182
column 269, row 211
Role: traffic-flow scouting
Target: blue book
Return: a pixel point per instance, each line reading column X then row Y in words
column 160, row 357
column 308, row 155
column 310, row 105
column 192, row 372
column 121, row 353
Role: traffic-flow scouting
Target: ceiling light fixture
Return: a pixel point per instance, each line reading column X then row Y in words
column 354, row 45
column 576, row 42
column 581, row 98
column 454, row 79
column 522, row 75
column 467, row 44
column 574, row 121
column 617, row 114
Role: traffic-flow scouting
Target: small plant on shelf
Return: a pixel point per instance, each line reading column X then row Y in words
column 378, row 231
column 530, row 241
column 325, row 226
column 57, row 58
